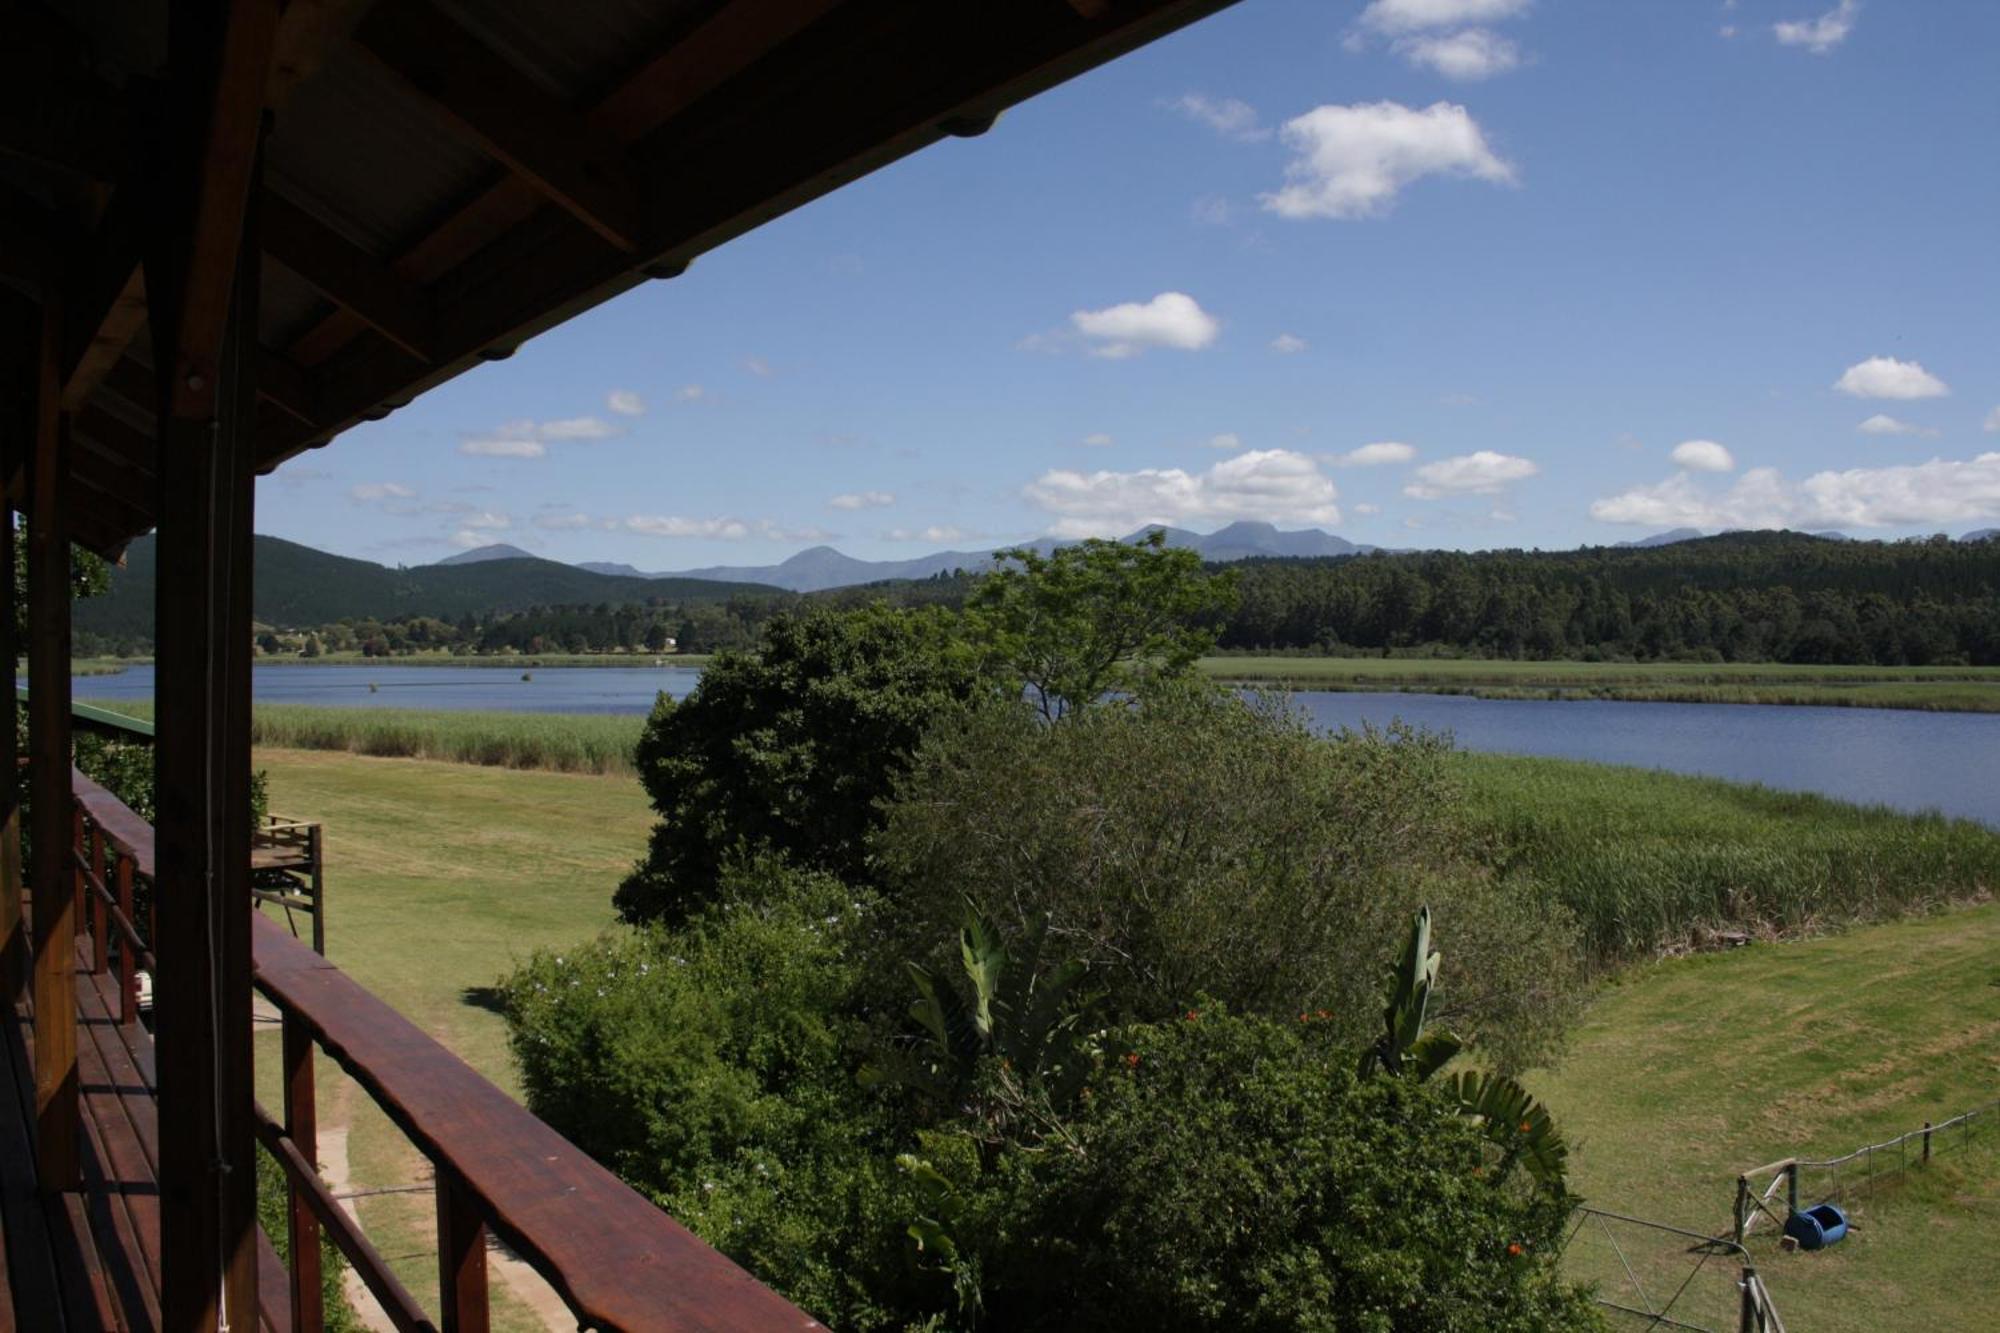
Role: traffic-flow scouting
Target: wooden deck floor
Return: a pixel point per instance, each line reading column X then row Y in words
column 89, row 1260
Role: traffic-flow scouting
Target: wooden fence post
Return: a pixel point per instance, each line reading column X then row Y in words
column 128, row 956
column 1927, row 1142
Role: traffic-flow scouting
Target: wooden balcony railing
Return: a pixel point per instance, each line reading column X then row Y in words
column 615, row 1259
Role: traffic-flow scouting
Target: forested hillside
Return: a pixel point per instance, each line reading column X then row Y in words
column 302, row 588
column 1743, row 597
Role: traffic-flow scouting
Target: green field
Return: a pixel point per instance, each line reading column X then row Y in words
column 440, row 878
column 1942, row 689
column 1692, row 1070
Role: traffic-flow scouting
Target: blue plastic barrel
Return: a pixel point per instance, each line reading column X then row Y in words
column 1817, row 1227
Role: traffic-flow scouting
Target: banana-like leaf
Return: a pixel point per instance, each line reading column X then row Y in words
column 985, row 958
column 1430, row 1053
column 1514, row 1121
column 944, row 1016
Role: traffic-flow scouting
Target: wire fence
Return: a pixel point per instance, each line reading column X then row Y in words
column 1649, row 1275
column 1771, row 1193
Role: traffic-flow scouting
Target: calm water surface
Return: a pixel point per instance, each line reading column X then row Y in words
column 1911, row 760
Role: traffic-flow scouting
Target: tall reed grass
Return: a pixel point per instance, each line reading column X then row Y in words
column 1653, row 862
column 562, row 742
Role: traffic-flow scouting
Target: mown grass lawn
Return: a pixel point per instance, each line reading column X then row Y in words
column 440, row 876
column 1689, row 1071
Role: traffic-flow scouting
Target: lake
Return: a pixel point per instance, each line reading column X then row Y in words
column 1903, row 758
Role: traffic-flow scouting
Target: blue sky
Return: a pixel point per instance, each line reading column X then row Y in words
column 1456, row 273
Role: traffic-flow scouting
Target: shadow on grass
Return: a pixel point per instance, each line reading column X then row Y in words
column 490, row 998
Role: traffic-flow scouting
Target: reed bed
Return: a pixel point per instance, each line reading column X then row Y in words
column 1654, row 863
column 558, row 742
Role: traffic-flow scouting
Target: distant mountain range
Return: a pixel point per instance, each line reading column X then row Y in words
column 821, row 567
column 1673, row 535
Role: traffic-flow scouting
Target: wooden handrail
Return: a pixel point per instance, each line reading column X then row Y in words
column 615, row 1259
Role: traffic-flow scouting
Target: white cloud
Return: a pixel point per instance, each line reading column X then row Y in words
column 714, row 529
column 1820, row 35
column 1993, row 421
column 1272, row 485
column 486, row 519
column 1939, row 491
column 1886, row 377
column 1884, row 424
column 1395, row 16
column 863, row 500
column 1353, row 160
column 1099, row 440
column 562, row 522
column 1288, row 344
column 1727, row 30
column 502, row 446
column 936, row 532
column 1229, row 440
column 625, row 403
column 1375, row 455
column 380, row 490
column 1481, row 473
column 690, row 393
column 1171, row 319
column 1703, row 456
column 759, row 367
column 525, row 438
column 1467, row 56
column 576, row 428
column 465, row 539
column 1364, row 510
column 1225, row 115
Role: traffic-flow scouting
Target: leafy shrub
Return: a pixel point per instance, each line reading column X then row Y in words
column 712, row 1067
column 1201, row 844
column 790, row 749
column 1232, row 1173
column 273, row 1209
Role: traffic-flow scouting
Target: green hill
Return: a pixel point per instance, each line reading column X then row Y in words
column 298, row 587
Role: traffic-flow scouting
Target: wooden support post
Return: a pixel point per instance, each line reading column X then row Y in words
column 1927, row 1142
column 1791, row 1188
column 1742, row 1206
column 302, row 1127
column 202, row 282
column 316, row 847
column 13, row 922
column 128, row 957
column 461, row 1258
column 1748, row 1316
column 54, row 921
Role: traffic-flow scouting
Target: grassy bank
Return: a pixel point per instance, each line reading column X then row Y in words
column 1692, row 1070
column 1944, row 689
column 1654, row 862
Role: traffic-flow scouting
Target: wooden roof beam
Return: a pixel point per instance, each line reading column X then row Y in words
column 510, row 116
column 729, row 42
column 347, row 275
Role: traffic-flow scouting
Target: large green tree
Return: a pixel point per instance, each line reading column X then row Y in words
column 1098, row 617
column 790, row 748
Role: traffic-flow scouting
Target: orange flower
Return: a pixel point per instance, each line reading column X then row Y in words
column 1193, row 1014
column 1478, row 1170
column 1132, row 1059
column 1527, row 1126
column 1324, row 1014
column 1514, row 1250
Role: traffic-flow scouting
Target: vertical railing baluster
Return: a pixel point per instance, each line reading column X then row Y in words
column 302, row 1127
column 461, row 1258
column 128, row 955
column 80, row 849
column 100, row 919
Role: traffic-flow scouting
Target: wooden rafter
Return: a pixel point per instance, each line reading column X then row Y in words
column 347, row 275
column 513, row 118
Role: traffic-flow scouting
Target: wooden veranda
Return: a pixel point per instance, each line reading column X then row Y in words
column 229, row 230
